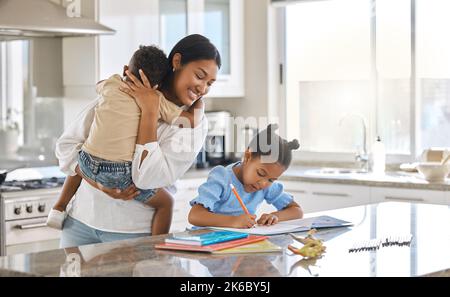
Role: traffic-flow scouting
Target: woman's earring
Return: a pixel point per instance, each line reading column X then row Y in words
column 173, row 69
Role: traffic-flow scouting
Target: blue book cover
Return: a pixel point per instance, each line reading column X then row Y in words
column 206, row 238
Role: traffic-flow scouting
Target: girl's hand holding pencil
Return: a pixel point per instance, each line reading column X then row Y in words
column 243, row 221
column 246, row 220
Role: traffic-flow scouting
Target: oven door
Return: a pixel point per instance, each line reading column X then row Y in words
column 30, row 236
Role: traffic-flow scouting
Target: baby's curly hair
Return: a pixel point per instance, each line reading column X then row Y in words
column 152, row 60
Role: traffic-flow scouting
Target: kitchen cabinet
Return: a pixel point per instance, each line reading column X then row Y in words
column 222, row 22
column 322, row 196
column 314, row 197
column 187, row 189
column 379, row 194
column 86, row 60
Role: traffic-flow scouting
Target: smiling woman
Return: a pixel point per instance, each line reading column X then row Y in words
column 194, row 63
column 163, row 152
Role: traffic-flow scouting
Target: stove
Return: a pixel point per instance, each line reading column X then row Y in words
column 36, row 184
column 24, row 206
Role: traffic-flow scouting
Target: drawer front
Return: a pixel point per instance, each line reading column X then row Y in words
column 29, row 230
column 296, row 188
column 191, row 184
column 322, row 197
column 379, row 195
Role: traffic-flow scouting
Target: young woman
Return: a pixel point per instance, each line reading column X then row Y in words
column 163, row 152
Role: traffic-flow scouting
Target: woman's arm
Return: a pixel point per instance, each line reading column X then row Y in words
column 69, row 144
column 200, row 216
column 160, row 162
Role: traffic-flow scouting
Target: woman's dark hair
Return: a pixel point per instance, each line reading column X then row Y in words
column 268, row 143
column 192, row 48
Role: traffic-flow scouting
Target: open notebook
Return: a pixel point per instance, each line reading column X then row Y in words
column 293, row 226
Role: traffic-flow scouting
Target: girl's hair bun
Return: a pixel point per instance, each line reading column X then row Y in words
column 293, row 145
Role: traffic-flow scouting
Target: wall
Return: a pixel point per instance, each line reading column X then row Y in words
column 260, row 76
column 255, row 102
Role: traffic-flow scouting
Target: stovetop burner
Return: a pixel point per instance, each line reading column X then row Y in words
column 45, row 183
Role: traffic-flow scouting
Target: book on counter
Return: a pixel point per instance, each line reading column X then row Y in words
column 208, row 238
column 263, row 246
column 212, row 247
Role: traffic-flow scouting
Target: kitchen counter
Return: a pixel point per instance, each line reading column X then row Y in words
column 394, row 179
column 428, row 253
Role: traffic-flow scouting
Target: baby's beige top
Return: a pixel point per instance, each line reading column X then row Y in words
column 114, row 130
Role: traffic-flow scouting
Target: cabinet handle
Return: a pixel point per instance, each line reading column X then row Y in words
column 296, row 191
column 403, row 199
column 330, row 194
column 31, row 226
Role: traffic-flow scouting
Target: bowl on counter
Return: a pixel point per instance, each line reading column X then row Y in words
column 434, row 171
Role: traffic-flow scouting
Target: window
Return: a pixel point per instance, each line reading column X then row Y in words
column 328, row 72
column 362, row 57
column 433, row 72
column 173, row 14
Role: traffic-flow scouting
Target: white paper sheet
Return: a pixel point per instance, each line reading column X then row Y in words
column 280, row 228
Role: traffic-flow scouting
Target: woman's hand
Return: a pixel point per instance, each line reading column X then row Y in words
column 268, row 219
column 128, row 194
column 145, row 96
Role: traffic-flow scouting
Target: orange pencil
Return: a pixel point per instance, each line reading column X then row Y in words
column 239, row 199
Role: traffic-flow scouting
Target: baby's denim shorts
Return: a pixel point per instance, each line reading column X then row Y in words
column 110, row 174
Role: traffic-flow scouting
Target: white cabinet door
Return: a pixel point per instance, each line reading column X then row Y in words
column 181, row 210
column 333, row 196
column 222, row 21
column 223, row 24
column 314, row 197
column 448, row 197
column 187, row 189
column 87, row 60
column 301, row 193
column 135, row 24
column 379, row 194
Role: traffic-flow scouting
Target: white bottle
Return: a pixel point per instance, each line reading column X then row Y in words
column 378, row 157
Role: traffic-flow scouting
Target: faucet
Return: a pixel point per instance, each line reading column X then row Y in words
column 361, row 158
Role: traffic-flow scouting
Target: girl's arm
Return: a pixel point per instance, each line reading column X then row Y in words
column 200, row 216
column 291, row 212
column 288, row 209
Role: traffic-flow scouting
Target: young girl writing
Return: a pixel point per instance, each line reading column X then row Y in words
column 254, row 178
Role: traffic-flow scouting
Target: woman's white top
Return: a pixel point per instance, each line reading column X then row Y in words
column 167, row 160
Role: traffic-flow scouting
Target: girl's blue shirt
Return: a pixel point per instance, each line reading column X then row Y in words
column 216, row 195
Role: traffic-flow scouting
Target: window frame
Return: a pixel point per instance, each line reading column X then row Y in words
column 318, row 156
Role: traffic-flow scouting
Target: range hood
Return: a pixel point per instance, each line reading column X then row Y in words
column 22, row 19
